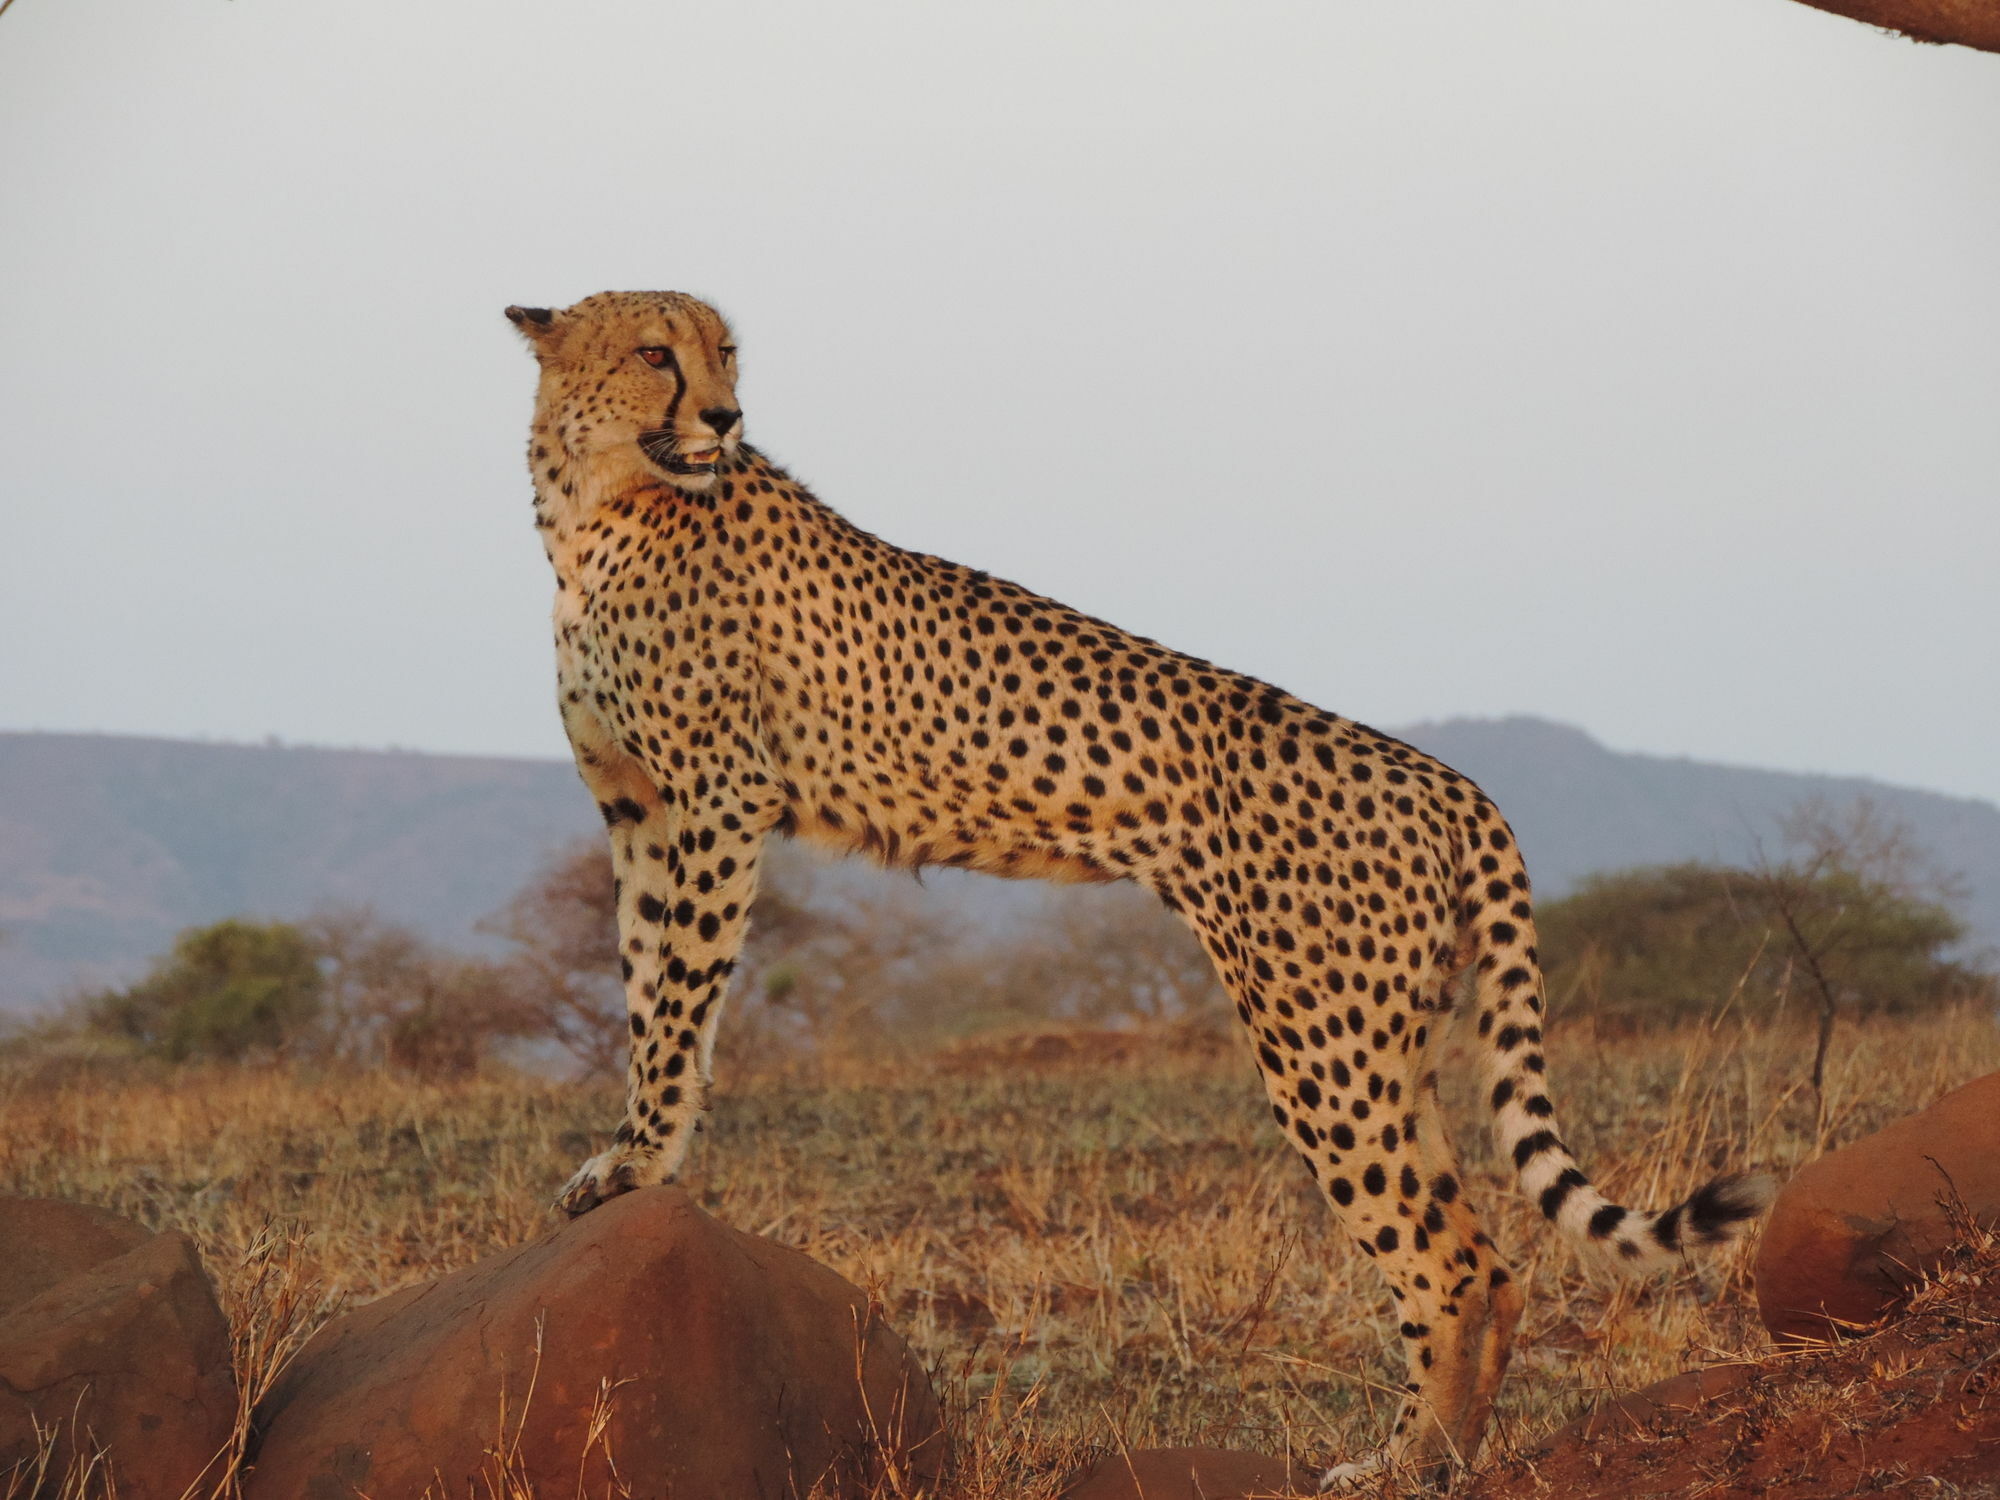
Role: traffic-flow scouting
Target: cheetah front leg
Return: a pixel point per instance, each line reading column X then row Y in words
column 686, row 877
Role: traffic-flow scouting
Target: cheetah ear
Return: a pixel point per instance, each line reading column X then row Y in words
column 537, row 324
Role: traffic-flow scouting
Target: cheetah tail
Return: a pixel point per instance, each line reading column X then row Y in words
column 1508, row 993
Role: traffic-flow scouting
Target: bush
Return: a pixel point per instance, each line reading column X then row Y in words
column 1667, row 942
column 225, row 991
column 563, row 930
column 395, row 1000
column 343, row 987
column 831, row 964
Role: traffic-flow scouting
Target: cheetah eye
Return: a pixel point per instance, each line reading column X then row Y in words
column 727, row 351
column 657, row 355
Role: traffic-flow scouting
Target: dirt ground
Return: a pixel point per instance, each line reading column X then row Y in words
column 1913, row 1409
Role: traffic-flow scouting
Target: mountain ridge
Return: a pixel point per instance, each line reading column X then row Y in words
column 110, row 844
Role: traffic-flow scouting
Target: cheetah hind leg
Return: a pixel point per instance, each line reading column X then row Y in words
column 1424, row 1448
column 1369, row 1125
column 1345, row 1478
column 1459, row 1306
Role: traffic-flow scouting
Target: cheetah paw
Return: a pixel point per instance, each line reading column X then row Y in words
column 608, row 1174
column 1346, row 1478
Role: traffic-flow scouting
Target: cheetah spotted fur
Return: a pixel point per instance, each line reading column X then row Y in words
column 736, row 660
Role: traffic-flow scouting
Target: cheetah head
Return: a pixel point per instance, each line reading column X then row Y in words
column 647, row 378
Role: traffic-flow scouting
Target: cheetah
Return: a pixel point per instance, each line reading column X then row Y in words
column 736, row 660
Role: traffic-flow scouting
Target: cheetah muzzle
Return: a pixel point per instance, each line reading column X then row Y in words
column 734, row 659
column 663, row 447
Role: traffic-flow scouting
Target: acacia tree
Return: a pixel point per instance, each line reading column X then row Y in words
column 819, row 968
column 393, row 998
column 1857, row 901
column 1108, row 954
column 1851, row 919
column 832, row 963
column 563, row 928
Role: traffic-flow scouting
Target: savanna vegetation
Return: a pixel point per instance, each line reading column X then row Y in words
column 1095, row 1238
column 1848, row 923
column 1078, row 1213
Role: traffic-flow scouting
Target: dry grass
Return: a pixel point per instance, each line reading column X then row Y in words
column 1108, row 1248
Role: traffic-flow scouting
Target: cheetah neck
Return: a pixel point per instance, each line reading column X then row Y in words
column 569, row 491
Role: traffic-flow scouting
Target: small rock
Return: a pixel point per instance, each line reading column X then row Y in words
column 1188, row 1474
column 733, row 1367
column 1852, row 1231
column 112, row 1332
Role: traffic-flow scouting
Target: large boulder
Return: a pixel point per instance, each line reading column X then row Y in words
column 1852, row 1231
column 111, row 1337
column 1187, row 1474
column 644, row 1343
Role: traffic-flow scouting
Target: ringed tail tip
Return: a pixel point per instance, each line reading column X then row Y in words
column 1722, row 1210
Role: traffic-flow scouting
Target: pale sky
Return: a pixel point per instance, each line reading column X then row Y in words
column 1635, row 363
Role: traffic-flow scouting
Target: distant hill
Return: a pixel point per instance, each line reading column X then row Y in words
column 1580, row 808
column 111, row 845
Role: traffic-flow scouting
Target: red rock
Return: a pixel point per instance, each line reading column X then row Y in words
column 738, row 1367
column 113, row 1332
column 1852, row 1231
column 1188, row 1474
column 1907, row 1411
column 1689, row 1391
column 44, row 1240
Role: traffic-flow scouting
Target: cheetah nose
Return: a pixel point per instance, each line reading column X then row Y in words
column 721, row 418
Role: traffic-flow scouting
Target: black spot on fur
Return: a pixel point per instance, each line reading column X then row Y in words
column 1557, row 1193
column 1667, row 1228
column 1529, row 1147
column 1605, row 1220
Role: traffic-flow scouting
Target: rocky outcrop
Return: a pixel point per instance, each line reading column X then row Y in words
column 643, row 1342
column 109, row 1335
column 1908, row 1410
column 1852, row 1231
column 1187, row 1474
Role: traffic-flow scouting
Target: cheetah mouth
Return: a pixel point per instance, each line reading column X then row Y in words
column 664, row 449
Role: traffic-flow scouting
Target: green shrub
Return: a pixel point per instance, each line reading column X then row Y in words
column 1667, row 942
column 225, row 991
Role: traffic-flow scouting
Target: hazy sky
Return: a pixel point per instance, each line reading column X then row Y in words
column 1630, row 362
